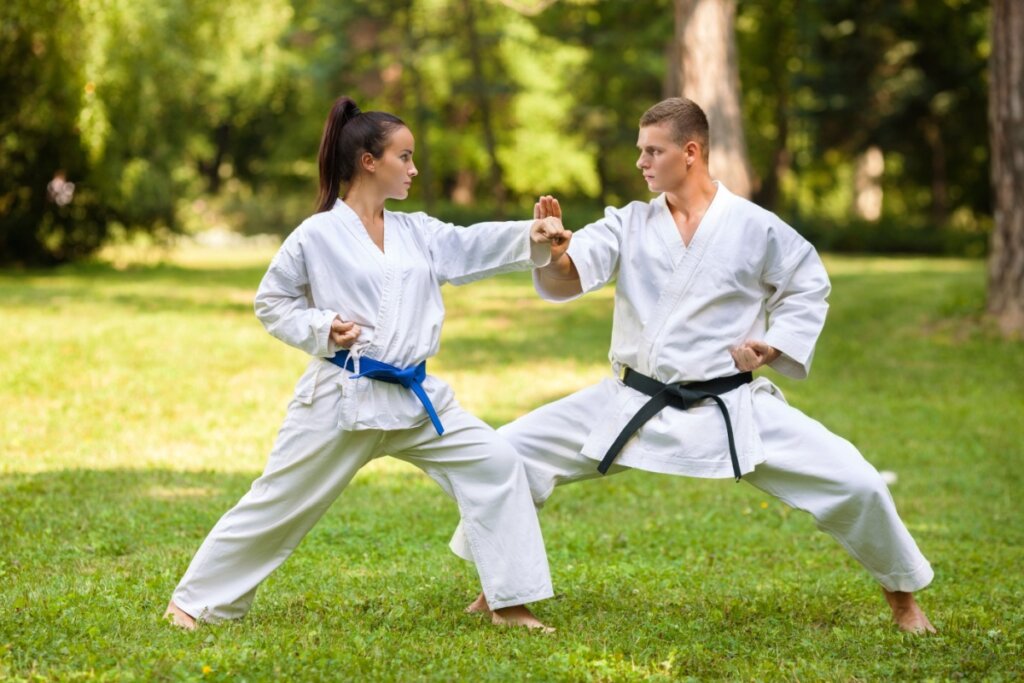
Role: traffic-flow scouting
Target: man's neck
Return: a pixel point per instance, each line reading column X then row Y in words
column 692, row 197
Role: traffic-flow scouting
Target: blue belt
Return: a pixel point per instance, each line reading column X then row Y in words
column 410, row 378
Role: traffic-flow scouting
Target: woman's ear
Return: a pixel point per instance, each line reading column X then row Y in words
column 368, row 162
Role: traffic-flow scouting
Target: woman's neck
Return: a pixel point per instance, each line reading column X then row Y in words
column 368, row 205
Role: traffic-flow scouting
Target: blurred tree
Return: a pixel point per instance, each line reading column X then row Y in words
column 495, row 112
column 151, row 115
column 49, row 212
column 906, row 78
column 1006, row 114
column 120, row 108
column 480, row 88
column 706, row 71
column 615, row 76
column 411, row 57
column 771, row 54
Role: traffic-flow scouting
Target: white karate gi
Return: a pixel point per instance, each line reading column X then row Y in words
column 678, row 310
column 329, row 266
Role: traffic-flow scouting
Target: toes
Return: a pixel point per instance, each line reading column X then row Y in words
column 179, row 618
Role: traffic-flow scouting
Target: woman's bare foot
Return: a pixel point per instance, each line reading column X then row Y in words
column 906, row 612
column 179, row 617
column 518, row 615
column 479, row 605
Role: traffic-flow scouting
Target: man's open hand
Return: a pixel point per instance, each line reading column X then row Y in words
column 547, row 207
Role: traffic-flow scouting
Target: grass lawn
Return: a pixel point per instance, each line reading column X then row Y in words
column 138, row 402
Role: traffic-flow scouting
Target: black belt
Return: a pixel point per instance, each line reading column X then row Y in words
column 681, row 396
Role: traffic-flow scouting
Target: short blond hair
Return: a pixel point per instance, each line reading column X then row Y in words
column 688, row 120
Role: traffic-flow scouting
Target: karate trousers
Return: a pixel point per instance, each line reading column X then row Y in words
column 311, row 463
column 807, row 467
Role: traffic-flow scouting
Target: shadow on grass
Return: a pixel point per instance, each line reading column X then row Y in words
column 83, row 514
column 32, row 287
column 140, row 289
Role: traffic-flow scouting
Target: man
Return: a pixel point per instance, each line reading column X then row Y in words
column 709, row 288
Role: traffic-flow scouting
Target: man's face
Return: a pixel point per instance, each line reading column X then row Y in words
column 662, row 160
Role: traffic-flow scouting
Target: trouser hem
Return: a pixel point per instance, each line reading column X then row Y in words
column 512, row 602
column 908, row 582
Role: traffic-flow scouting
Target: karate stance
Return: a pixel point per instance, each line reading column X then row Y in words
column 358, row 288
column 709, row 288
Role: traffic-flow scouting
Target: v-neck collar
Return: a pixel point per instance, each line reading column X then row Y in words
column 351, row 220
column 669, row 231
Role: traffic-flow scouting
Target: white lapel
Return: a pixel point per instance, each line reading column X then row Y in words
column 684, row 273
column 388, row 261
column 665, row 228
column 354, row 226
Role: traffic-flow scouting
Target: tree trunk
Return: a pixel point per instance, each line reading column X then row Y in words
column 940, row 180
column 867, row 183
column 411, row 57
column 484, row 104
column 211, row 168
column 777, row 29
column 709, row 74
column 1006, row 135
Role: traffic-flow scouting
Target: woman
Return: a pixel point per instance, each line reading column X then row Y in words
column 358, row 288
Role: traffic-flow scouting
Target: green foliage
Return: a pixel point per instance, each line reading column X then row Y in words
column 891, row 235
column 624, row 74
column 825, row 82
column 136, row 104
column 41, row 77
column 171, row 116
column 139, row 402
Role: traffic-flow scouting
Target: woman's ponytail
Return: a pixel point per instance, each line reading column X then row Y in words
column 343, row 111
column 348, row 133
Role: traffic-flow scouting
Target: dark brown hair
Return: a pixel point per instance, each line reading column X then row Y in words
column 688, row 121
column 348, row 132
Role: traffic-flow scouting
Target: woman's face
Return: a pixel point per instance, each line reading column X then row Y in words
column 395, row 169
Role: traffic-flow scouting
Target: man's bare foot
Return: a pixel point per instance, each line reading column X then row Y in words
column 479, row 605
column 518, row 615
column 179, row 617
column 906, row 612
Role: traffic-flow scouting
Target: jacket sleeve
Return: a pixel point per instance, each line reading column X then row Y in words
column 284, row 303
column 798, row 289
column 594, row 251
column 461, row 255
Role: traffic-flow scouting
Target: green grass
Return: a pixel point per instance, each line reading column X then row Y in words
column 137, row 403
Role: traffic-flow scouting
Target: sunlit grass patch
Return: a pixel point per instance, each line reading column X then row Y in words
column 138, row 402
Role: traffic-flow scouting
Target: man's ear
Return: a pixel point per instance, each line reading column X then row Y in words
column 693, row 152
